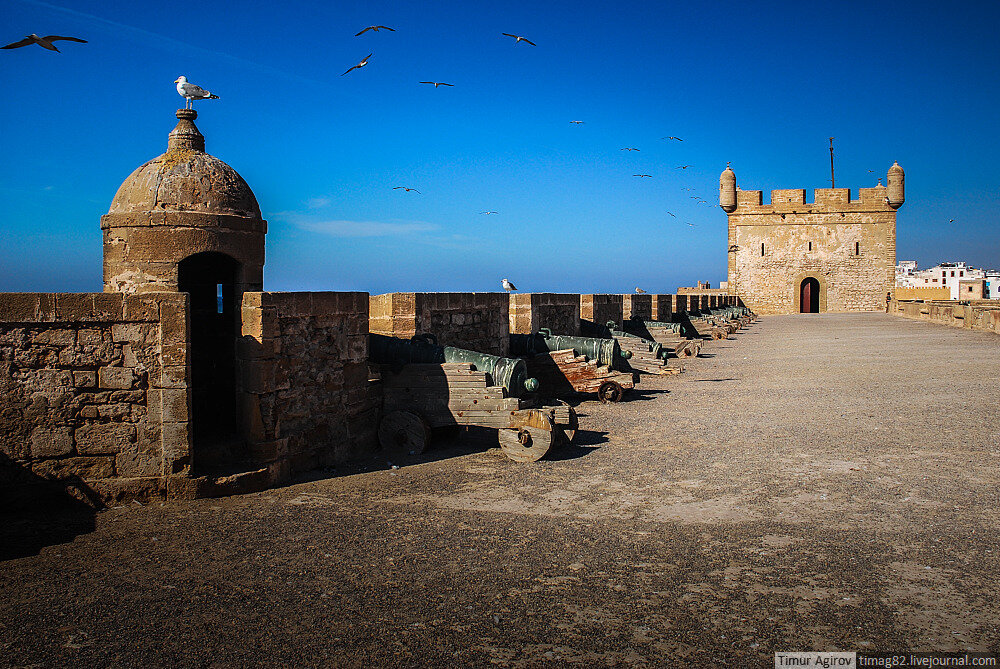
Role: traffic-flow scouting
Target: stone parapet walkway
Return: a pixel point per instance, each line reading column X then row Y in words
column 816, row 483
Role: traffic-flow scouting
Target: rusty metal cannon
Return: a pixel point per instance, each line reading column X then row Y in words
column 565, row 365
column 428, row 386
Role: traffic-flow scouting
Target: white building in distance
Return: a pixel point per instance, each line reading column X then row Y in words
column 945, row 275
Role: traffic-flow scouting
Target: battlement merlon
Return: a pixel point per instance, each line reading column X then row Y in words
column 879, row 198
column 825, row 201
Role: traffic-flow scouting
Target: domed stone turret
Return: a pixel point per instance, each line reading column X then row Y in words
column 180, row 204
column 894, row 182
column 727, row 190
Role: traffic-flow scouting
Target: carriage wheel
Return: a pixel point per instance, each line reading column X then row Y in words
column 403, row 432
column 610, row 391
column 530, row 438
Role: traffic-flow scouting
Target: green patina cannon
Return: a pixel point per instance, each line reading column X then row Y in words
column 606, row 351
column 427, row 386
column 510, row 373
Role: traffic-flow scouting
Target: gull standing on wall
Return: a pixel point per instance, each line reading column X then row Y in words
column 507, row 285
column 192, row 92
column 639, row 290
column 44, row 42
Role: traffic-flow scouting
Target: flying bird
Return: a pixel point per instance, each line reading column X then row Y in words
column 684, row 167
column 671, row 213
column 518, row 38
column 507, row 285
column 689, row 189
column 627, row 148
column 694, row 197
column 577, row 122
column 192, row 92
column 642, row 175
column 44, row 42
column 733, row 248
column 361, row 64
column 488, row 213
column 436, row 83
column 375, row 29
column 406, row 189
column 690, row 224
column 639, row 290
column 672, row 137
column 951, row 220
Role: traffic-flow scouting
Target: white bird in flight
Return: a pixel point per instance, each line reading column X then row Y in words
column 436, row 83
column 577, row 122
column 629, row 148
column 518, row 38
column 375, row 29
column 672, row 137
column 406, row 189
column 672, row 214
column 507, row 285
column 192, row 92
column 690, row 224
column 361, row 64
column 642, row 175
column 44, row 42
column 489, row 212
column 684, row 167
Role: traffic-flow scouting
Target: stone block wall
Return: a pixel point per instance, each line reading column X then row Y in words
column 663, row 307
column 94, row 388
column 476, row 321
column 978, row 315
column 638, row 306
column 559, row 312
column 600, row 309
column 306, row 397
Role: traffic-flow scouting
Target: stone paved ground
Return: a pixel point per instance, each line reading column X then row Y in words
column 819, row 482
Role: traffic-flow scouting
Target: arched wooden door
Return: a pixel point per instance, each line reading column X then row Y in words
column 809, row 296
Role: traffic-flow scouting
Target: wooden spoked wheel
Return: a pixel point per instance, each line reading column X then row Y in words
column 403, row 432
column 529, row 438
column 610, row 391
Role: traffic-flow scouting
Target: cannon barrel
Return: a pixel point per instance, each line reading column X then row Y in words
column 604, row 351
column 511, row 373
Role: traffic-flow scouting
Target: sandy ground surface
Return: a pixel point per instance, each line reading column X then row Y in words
column 816, row 483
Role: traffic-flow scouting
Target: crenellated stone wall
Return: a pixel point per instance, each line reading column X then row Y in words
column 307, row 401
column 476, row 321
column 559, row 312
column 638, row 306
column 94, row 388
column 974, row 315
column 663, row 307
column 600, row 309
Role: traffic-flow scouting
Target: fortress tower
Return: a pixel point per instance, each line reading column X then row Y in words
column 832, row 254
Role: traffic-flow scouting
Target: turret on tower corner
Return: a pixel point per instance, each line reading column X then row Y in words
column 727, row 190
column 832, row 254
column 181, row 204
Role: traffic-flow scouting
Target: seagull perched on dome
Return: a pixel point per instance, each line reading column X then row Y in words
column 507, row 285
column 192, row 92
column 44, row 42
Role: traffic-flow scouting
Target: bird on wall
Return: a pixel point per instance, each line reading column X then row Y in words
column 436, row 83
column 577, row 122
column 361, row 64
column 639, row 290
column 44, row 42
column 375, row 29
column 672, row 137
column 518, row 38
column 628, row 148
column 508, row 286
column 642, row 175
column 192, row 92
column 408, row 190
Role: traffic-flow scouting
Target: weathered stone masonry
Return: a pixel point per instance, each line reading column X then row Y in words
column 560, row 312
column 477, row 321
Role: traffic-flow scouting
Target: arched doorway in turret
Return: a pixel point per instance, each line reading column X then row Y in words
column 809, row 296
column 210, row 278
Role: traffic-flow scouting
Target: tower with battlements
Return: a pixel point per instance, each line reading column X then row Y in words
column 832, row 254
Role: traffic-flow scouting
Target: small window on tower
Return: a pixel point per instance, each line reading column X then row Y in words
column 762, row 249
column 857, row 248
column 218, row 298
column 810, row 246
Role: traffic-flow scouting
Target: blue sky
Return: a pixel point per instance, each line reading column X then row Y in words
column 762, row 85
